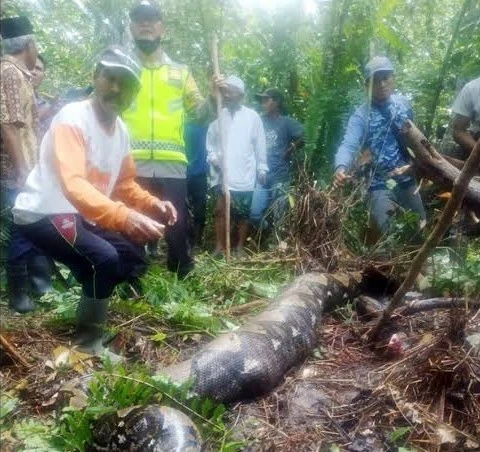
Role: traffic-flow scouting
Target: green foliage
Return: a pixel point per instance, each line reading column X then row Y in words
column 213, row 286
column 118, row 387
column 7, row 405
column 457, row 274
column 35, row 435
column 315, row 57
column 62, row 305
column 398, row 435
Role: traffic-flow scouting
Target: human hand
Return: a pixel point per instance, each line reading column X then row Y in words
column 400, row 170
column 215, row 162
column 289, row 150
column 216, row 84
column 142, row 229
column 168, row 213
column 340, row 178
column 21, row 178
column 262, row 177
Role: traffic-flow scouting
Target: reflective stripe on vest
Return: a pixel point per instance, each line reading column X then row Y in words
column 155, row 119
column 158, row 150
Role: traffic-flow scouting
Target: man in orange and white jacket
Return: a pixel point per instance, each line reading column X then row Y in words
column 81, row 204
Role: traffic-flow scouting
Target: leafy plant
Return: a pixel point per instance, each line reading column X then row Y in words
column 456, row 274
column 398, row 435
column 118, row 387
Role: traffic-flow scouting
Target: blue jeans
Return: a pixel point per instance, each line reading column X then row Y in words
column 384, row 202
column 269, row 200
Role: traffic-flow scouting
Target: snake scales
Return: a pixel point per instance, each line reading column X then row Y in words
column 238, row 365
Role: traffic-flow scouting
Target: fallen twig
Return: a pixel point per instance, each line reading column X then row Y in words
column 10, row 349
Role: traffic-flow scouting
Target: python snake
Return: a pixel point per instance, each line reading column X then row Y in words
column 238, row 365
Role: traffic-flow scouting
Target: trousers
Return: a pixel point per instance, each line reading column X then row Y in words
column 384, row 202
column 179, row 256
column 98, row 259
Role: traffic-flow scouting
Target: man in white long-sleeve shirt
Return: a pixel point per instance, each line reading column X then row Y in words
column 246, row 160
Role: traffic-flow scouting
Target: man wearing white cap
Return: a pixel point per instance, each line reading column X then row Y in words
column 376, row 126
column 245, row 160
column 81, row 204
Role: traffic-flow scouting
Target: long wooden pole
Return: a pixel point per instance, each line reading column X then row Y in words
column 223, row 147
column 459, row 190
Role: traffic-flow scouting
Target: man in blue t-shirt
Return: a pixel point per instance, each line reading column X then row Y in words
column 284, row 135
column 376, row 126
column 195, row 136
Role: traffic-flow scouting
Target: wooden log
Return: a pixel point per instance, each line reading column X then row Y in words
column 460, row 189
column 434, row 166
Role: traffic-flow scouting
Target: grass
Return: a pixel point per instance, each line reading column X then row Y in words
column 199, row 304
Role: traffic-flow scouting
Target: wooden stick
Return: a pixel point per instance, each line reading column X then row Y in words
column 460, row 188
column 223, row 147
column 10, row 349
column 438, row 303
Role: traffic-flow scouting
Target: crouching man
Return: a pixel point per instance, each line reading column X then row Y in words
column 81, row 204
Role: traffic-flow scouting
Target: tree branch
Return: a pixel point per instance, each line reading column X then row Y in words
column 460, row 188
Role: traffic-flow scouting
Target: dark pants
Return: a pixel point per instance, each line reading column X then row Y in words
column 179, row 257
column 98, row 259
column 19, row 248
column 197, row 187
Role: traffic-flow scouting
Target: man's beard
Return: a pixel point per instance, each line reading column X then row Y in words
column 147, row 46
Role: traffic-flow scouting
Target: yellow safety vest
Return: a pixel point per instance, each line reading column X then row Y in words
column 155, row 119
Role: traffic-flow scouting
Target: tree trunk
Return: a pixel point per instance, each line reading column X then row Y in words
column 433, row 166
column 460, row 188
column 443, row 69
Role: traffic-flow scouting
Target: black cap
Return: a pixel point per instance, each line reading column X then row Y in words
column 145, row 9
column 14, row 27
column 272, row 93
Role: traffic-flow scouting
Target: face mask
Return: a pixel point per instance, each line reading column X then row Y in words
column 147, row 46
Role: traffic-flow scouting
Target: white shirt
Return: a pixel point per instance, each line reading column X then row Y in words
column 75, row 138
column 245, row 148
column 467, row 104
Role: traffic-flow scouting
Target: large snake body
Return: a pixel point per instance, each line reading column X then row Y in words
column 238, row 365
column 253, row 359
column 146, row 428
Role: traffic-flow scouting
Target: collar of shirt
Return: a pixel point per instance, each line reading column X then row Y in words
column 19, row 65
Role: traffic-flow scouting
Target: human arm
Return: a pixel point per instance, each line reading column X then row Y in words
column 12, row 120
column 260, row 148
column 463, row 112
column 12, row 145
column 295, row 131
column 70, row 162
column 352, row 143
column 460, row 132
column 198, row 109
column 129, row 192
column 213, row 146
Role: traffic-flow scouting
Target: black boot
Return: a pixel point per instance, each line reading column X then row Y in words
column 40, row 269
column 198, row 235
column 91, row 320
column 152, row 249
column 17, row 287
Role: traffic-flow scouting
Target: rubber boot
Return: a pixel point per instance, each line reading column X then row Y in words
column 91, row 319
column 17, row 288
column 40, row 274
column 152, row 249
column 198, row 236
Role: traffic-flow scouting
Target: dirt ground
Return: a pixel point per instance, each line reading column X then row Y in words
column 346, row 396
